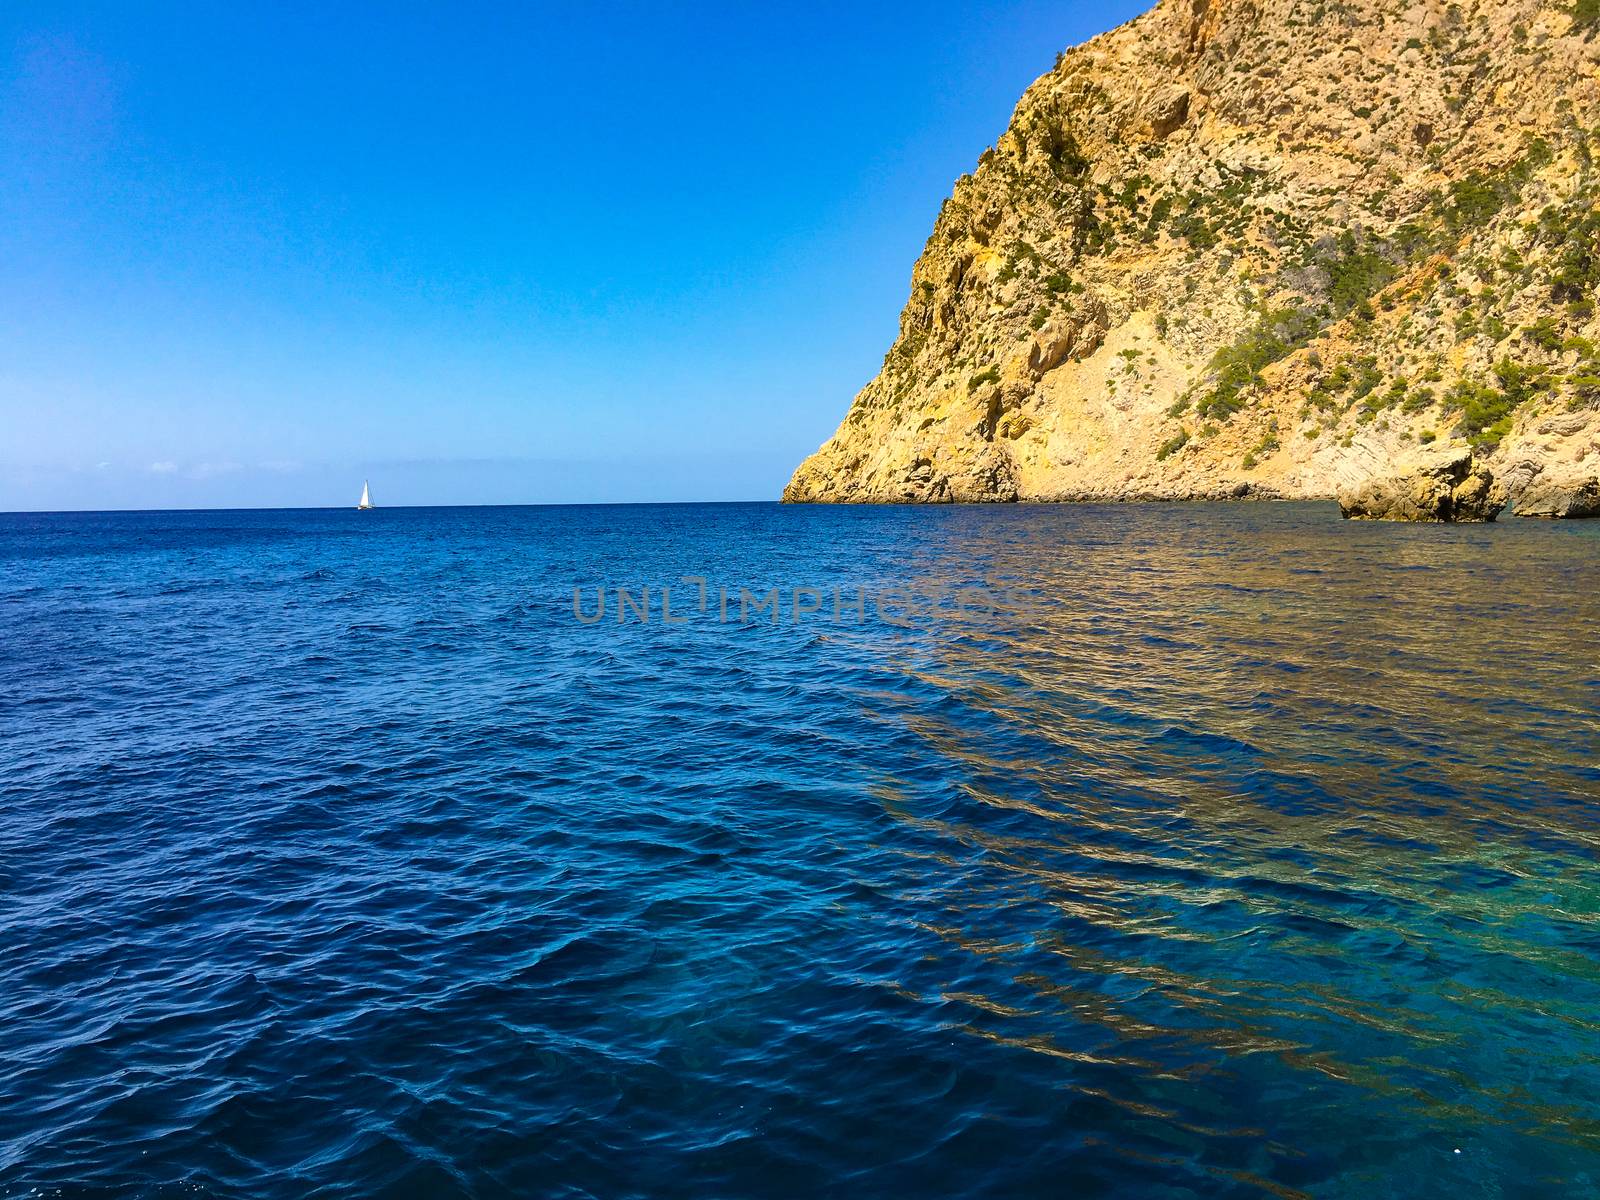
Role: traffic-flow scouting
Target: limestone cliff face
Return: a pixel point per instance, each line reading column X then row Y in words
column 1258, row 247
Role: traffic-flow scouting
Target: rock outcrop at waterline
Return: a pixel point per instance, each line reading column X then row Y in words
column 1554, row 498
column 1257, row 247
column 1443, row 486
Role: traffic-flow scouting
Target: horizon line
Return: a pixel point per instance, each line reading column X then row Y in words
column 82, row 512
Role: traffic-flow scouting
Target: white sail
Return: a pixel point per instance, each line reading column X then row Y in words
column 366, row 496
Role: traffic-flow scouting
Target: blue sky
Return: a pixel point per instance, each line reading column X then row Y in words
column 477, row 252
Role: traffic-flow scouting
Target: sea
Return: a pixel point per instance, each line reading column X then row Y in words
column 757, row 851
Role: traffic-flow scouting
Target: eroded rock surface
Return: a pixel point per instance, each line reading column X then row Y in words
column 1560, row 499
column 1444, row 486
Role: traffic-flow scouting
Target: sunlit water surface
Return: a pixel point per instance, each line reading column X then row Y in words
column 1256, row 858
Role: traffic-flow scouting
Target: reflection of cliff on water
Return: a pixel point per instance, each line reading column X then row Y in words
column 1293, row 808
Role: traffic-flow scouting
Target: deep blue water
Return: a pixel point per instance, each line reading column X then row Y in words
column 1249, row 853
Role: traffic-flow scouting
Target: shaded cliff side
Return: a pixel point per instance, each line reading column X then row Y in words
column 1257, row 247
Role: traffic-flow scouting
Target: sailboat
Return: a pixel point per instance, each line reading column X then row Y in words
column 366, row 497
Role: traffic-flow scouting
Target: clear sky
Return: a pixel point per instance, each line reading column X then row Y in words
column 478, row 252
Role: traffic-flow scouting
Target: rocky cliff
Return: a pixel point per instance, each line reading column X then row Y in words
column 1258, row 247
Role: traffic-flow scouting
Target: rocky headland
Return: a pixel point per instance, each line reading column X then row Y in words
column 1261, row 248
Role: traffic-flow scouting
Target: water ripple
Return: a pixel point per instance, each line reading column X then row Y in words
column 1256, row 859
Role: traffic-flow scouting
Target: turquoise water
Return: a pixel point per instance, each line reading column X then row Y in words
column 1222, row 851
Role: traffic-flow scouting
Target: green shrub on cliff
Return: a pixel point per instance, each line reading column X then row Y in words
column 1575, row 236
column 1278, row 333
column 1545, row 333
column 1268, row 445
column 1478, row 197
column 1487, row 412
column 1356, row 274
column 1367, row 378
column 992, row 375
column 1417, row 400
column 1585, row 391
column 1193, row 227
